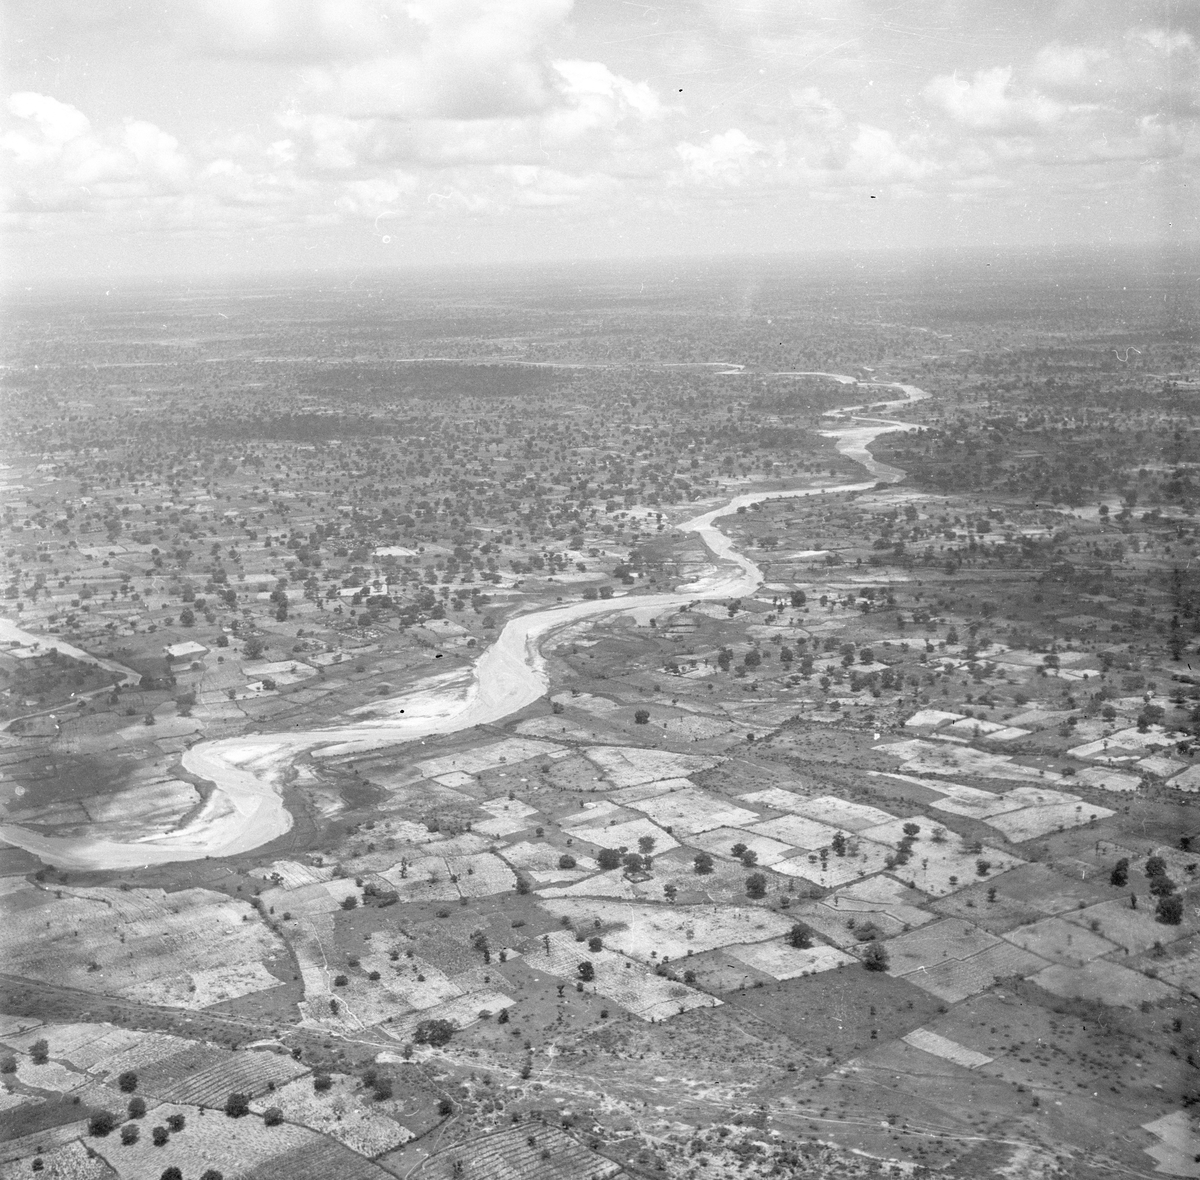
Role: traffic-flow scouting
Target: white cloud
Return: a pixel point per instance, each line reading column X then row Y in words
column 985, row 103
column 723, row 159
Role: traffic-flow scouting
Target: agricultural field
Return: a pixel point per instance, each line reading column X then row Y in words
column 555, row 760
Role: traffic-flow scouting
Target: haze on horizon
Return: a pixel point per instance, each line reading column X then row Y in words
column 215, row 136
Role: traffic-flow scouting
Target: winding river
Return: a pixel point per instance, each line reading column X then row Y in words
column 245, row 810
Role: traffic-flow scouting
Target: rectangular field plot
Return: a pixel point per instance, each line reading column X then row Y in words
column 202, row 989
column 956, row 979
column 501, row 826
column 971, row 801
column 781, row 961
column 547, row 1155
column 320, row 1160
column 627, row 835
column 1110, row 983
column 461, row 1011
column 543, row 858
column 864, row 858
column 948, row 938
column 948, row 1050
column 1060, row 942
column 619, row 978
column 774, row 799
column 940, row 869
column 1031, row 822
column 627, row 766
column 844, row 922
column 481, row 875
column 842, row 813
column 290, row 874
column 605, row 885
column 720, row 841
column 68, row 1162
column 671, row 931
column 353, row 1118
column 251, row 1072
column 426, row 879
column 114, row 941
column 796, row 830
column 486, row 757
column 1132, row 930
column 691, row 810
column 208, row 1140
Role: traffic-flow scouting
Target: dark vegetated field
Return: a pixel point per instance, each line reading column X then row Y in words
column 31, row 1118
column 833, row 1009
column 324, row 1161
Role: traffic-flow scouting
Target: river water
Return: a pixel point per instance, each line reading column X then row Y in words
column 245, row 810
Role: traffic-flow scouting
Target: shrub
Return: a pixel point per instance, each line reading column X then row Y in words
column 159, row 1136
column 212, row 1174
column 756, row 886
column 137, row 1108
column 127, row 1082
column 102, row 1123
column 8, row 1065
column 1162, row 885
column 171, row 1173
column 445, row 1107
column 237, row 1105
column 595, row 944
column 130, row 1134
column 349, row 902
column 272, row 1116
column 703, row 863
column 523, row 886
column 434, row 1032
column 1120, row 873
column 566, row 861
column 39, row 1051
column 586, row 971
column 341, row 980
column 1155, row 867
column 641, row 717
column 1169, row 910
column 176, row 1122
column 384, row 1090
column 608, row 859
column 322, row 1082
column 800, row 937
column 875, row 957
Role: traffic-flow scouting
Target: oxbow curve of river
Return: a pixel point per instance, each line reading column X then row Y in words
column 245, row 809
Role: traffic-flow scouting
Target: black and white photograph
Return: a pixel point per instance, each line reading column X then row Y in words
column 599, row 589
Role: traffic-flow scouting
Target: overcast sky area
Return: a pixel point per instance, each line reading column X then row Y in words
column 201, row 136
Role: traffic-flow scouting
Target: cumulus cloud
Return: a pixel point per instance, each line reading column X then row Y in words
column 987, row 103
column 722, row 159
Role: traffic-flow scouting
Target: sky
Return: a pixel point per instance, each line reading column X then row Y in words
column 176, row 137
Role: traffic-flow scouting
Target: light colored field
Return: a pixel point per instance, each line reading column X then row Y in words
column 939, row 1046
column 921, row 757
column 626, row 835
column 970, row 801
column 501, row 826
column 833, row 921
column 691, row 810
column 955, row 979
column 481, row 875
column 931, row 719
column 594, row 811
column 842, row 813
column 796, row 830
column 1113, row 780
column 781, row 961
column 1133, row 930
column 720, row 840
column 427, row 879
column 543, row 858
column 149, row 1049
column 620, row 979
column 671, row 931
column 51, row 1076
column 1060, row 942
column 613, row 884
column 504, row 806
column 208, row 1140
column 67, row 1041
column 949, row 938
column 290, row 874
column 864, row 858
column 68, row 1162
column 345, row 1111
column 488, row 757
column 773, row 799
column 629, row 765
column 202, row 989
column 1031, row 822
column 646, row 790
column 1110, row 983
column 462, row 1011
column 1177, row 1152
column 119, row 942
column 1183, row 973
column 932, row 865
